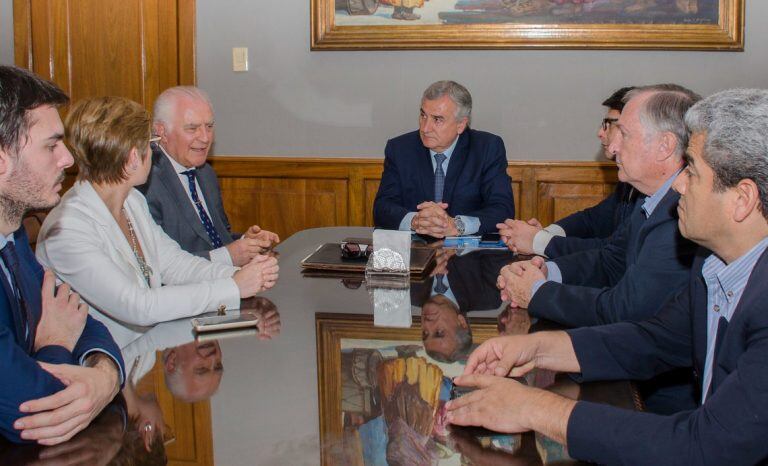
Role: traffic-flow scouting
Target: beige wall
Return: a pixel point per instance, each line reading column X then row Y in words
column 6, row 32
column 545, row 104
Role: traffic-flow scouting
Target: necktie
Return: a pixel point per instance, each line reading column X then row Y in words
column 207, row 223
column 439, row 177
column 26, row 295
column 440, row 284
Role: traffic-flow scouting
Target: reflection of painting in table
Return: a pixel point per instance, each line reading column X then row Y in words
column 433, row 12
column 382, row 399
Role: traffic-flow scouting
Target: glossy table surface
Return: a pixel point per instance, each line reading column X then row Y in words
column 264, row 407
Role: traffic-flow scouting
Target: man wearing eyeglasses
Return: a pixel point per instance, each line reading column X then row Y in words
column 586, row 229
column 182, row 190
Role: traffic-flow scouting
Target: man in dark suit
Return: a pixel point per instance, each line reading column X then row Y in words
column 444, row 179
column 589, row 228
column 182, row 190
column 718, row 325
column 60, row 367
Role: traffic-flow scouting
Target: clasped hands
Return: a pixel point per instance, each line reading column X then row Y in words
column 432, row 219
column 254, row 241
column 516, row 280
column 518, row 235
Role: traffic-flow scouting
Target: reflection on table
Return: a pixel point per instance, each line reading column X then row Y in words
column 370, row 395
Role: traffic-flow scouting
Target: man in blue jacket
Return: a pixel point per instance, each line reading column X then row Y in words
column 444, row 179
column 60, row 367
column 718, row 325
column 586, row 229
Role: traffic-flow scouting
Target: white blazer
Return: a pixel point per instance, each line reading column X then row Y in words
column 83, row 244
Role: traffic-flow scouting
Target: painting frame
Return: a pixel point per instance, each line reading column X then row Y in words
column 726, row 35
column 330, row 329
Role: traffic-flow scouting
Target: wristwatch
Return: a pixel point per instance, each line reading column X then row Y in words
column 460, row 227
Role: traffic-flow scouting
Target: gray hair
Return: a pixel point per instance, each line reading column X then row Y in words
column 165, row 104
column 664, row 111
column 736, row 147
column 457, row 93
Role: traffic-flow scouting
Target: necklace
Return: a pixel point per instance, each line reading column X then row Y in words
column 146, row 270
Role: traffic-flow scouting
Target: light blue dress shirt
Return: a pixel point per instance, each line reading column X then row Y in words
column 471, row 224
column 725, row 285
column 649, row 205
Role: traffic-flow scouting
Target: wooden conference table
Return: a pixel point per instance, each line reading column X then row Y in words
column 256, row 398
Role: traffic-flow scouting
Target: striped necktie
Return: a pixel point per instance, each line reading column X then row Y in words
column 439, row 177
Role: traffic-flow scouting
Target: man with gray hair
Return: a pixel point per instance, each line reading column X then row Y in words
column 182, row 190
column 646, row 261
column 444, row 179
column 717, row 326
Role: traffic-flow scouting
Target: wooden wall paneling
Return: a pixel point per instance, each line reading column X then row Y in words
column 285, row 205
column 107, row 47
column 545, row 190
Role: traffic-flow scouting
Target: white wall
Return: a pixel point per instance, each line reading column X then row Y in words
column 545, row 104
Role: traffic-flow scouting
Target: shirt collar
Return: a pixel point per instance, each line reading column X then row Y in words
column 447, row 153
column 177, row 167
column 5, row 239
column 732, row 278
column 651, row 202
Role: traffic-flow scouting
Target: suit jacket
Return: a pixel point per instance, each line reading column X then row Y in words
column 173, row 211
column 23, row 379
column 729, row 428
column 81, row 241
column 472, row 278
column 630, row 278
column 476, row 184
column 590, row 228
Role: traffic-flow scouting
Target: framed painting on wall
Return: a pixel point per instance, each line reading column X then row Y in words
column 537, row 24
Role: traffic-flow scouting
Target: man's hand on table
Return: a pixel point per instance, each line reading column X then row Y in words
column 433, row 220
column 58, row 417
column 518, row 235
column 516, row 280
column 505, row 405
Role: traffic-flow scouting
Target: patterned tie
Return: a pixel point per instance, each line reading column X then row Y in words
column 439, row 177
column 207, row 223
column 440, row 284
column 27, row 297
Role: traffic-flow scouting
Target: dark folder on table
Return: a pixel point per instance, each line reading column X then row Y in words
column 328, row 257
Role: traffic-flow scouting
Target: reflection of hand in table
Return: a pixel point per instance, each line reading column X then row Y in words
column 472, row 450
column 513, row 321
column 442, row 257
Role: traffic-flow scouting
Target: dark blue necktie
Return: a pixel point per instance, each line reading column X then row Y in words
column 440, row 286
column 439, row 177
column 207, row 223
column 26, row 295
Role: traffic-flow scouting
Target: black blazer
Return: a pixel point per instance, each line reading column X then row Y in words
column 590, row 228
column 643, row 265
column 173, row 211
column 476, row 185
column 732, row 425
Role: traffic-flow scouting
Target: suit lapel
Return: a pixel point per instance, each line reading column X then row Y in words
column 426, row 175
column 456, row 165
column 13, row 305
column 170, row 180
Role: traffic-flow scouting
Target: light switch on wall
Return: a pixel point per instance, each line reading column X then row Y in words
column 239, row 58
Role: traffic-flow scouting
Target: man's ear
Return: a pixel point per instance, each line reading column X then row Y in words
column 462, row 125
column 667, row 146
column 747, row 200
column 159, row 129
column 6, row 161
column 170, row 361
